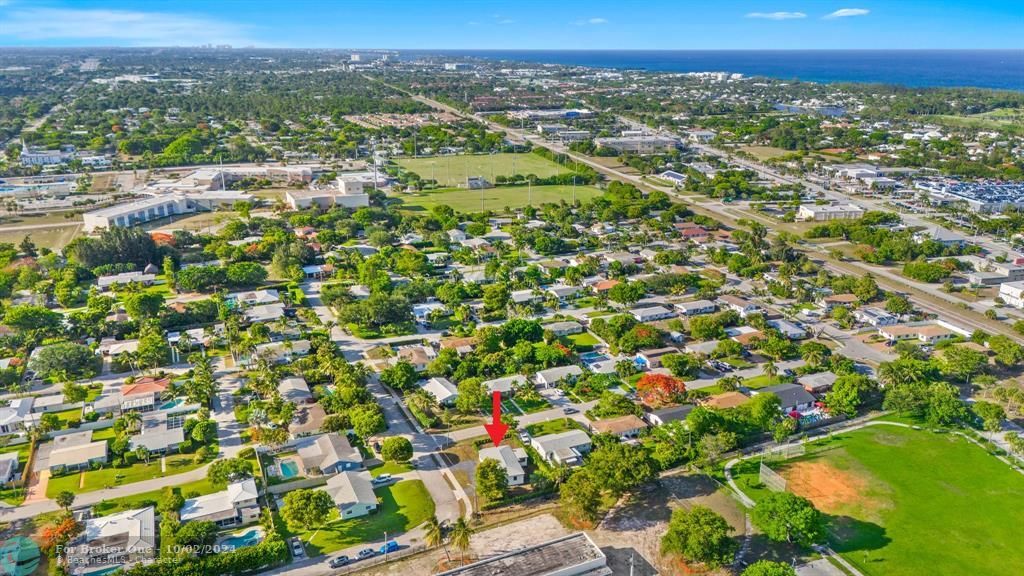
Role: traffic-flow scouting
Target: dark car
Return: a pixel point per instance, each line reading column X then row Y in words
column 339, row 561
column 569, row 410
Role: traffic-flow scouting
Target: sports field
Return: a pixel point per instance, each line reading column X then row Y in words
column 453, row 170
column 904, row 502
column 496, row 199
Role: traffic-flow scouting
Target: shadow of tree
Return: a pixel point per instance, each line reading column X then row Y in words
column 628, row 561
column 850, row 534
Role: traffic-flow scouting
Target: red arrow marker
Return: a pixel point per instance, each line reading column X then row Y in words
column 496, row 429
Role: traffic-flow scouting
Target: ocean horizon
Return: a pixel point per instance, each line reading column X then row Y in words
column 995, row 69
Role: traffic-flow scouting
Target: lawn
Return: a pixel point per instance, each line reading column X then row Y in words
column 906, row 502
column 110, row 476
column 531, row 405
column 403, row 506
column 453, row 170
column 583, row 340
column 188, row 490
column 763, row 381
column 552, row 427
column 497, row 199
column 390, row 468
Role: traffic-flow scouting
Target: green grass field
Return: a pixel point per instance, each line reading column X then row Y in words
column 496, row 199
column 403, row 506
column 453, row 170
column 915, row 502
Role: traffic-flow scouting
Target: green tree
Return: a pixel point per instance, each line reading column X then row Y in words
column 472, row 394
column 580, row 496
column 153, row 348
column 619, row 468
column 491, row 480
column 306, row 509
column 65, row 361
column 168, row 267
column 786, row 517
column 402, row 376
column 200, row 534
column 396, row 449
column 367, row 420
column 765, row 410
column 229, row 469
column 144, row 306
column 64, row 499
column 848, row 393
column 699, row 535
column 769, row 568
column 961, row 362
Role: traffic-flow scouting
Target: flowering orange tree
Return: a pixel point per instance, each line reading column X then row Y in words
column 660, row 389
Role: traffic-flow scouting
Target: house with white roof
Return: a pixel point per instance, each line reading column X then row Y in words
column 329, row 453
column 8, row 467
column 235, row 506
column 352, row 493
column 553, row 376
column 566, row 448
column 295, row 390
column 442, row 389
column 110, row 542
column 505, row 385
column 512, row 460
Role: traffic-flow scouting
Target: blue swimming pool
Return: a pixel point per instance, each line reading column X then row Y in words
column 170, row 404
column 104, row 571
column 289, row 469
column 593, row 357
column 236, row 541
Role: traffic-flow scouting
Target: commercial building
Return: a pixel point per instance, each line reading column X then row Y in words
column 985, row 196
column 926, row 333
column 638, row 144
column 825, row 212
column 160, row 206
column 347, row 193
column 1012, row 293
column 573, row 555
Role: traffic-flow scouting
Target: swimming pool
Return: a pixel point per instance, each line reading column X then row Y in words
column 593, row 357
column 289, row 469
column 104, row 571
column 170, row 404
column 236, row 541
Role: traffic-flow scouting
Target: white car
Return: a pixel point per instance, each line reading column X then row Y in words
column 382, row 479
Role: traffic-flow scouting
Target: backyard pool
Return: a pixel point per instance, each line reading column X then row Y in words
column 235, row 541
column 289, row 469
column 171, row 404
column 593, row 357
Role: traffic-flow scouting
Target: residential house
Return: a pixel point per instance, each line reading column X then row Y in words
column 603, row 286
column 307, row 420
column 159, row 434
column 926, row 333
column 512, row 460
column 651, row 314
column 261, row 313
column 628, row 426
column 788, row 329
column 739, row 305
column 875, row 317
column 650, row 358
column 418, row 355
column 522, row 297
column 942, row 236
column 16, row 415
column 564, row 328
column 505, row 385
column 421, row 312
column 819, row 382
column 442, row 389
column 284, row 351
column 352, row 493
column 123, row 278
column 827, row 303
column 792, row 397
column 567, row 448
column 669, row 414
column 295, row 390
column 76, row 451
column 463, row 345
column 107, row 543
column 8, row 468
column 696, row 307
column 726, row 400
column 237, row 505
column 144, row 394
column 254, row 297
column 553, row 376
column 564, row 293
column 329, row 453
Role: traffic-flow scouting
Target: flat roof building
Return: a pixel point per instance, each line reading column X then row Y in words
column 573, row 555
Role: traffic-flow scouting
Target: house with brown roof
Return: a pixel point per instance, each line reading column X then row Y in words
column 927, row 333
column 463, row 345
column 604, row 286
column 628, row 426
column 726, row 400
column 830, row 302
column 143, row 394
column 748, row 339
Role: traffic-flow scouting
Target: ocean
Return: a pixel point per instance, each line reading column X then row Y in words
column 998, row 69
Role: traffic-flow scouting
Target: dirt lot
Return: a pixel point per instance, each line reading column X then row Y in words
column 830, row 489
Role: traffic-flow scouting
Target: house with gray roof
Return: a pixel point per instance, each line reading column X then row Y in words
column 234, row 506
column 352, row 493
column 512, row 460
column 566, row 448
column 553, row 376
column 330, row 453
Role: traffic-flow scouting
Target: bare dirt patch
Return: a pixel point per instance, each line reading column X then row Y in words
column 829, row 488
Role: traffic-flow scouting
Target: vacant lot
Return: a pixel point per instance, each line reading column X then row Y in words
column 904, row 502
column 454, row 170
column 497, row 199
column 764, row 152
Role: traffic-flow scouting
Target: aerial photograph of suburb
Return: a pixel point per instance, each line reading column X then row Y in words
column 512, row 288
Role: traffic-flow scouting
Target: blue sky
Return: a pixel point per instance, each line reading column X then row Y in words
column 520, row 24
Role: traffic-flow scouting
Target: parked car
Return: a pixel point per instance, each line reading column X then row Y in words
column 339, row 561
column 388, row 547
column 382, row 479
column 570, row 410
column 524, row 436
column 297, row 549
column 367, row 553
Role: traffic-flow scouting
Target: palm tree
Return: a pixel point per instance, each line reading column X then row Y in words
column 770, row 370
column 132, row 420
column 435, row 536
column 730, row 383
column 460, row 537
column 813, row 355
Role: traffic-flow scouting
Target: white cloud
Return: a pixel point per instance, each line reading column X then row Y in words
column 597, row 21
column 130, row 27
column 777, row 15
column 846, row 13
column 591, row 22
